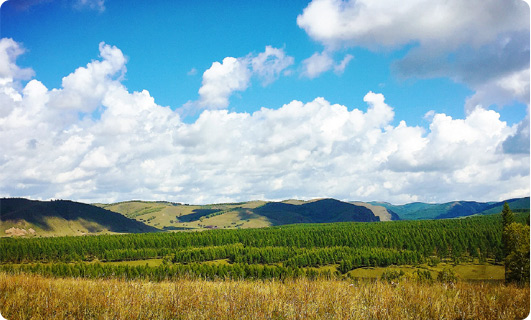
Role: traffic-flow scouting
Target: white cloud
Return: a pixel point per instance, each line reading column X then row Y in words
column 340, row 68
column 234, row 74
column 84, row 89
column 137, row 149
column 9, row 51
column 501, row 91
column 269, row 64
column 319, row 63
column 315, row 65
column 375, row 23
column 221, row 80
column 478, row 43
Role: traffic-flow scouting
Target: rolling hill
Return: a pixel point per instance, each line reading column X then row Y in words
column 252, row 214
column 320, row 211
column 23, row 217
column 454, row 209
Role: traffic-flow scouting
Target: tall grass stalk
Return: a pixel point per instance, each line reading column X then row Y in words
column 25, row 296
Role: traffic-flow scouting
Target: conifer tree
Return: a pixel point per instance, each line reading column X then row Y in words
column 507, row 215
column 507, row 219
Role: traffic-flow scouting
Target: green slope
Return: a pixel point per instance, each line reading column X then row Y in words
column 252, row 214
column 514, row 204
column 454, row 209
column 23, row 217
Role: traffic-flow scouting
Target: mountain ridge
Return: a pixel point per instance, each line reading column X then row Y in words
column 452, row 209
column 24, row 217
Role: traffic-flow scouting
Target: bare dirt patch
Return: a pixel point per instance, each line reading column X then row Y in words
column 17, row 232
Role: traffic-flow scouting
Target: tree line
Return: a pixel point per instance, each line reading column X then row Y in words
column 349, row 245
column 168, row 272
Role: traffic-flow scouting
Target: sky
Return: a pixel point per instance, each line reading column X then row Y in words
column 222, row 101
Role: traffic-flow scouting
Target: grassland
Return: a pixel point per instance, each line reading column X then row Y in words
column 35, row 297
column 464, row 271
column 173, row 216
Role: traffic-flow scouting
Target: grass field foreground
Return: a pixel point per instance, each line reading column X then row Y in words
column 35, row 297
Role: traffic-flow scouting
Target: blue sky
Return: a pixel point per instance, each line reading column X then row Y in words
column 164, row 41
column 422, row 67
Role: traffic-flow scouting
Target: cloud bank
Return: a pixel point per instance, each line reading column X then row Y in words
column 482, row 44
column 93, row 140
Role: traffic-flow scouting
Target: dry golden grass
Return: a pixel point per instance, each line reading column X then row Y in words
column 35, row 297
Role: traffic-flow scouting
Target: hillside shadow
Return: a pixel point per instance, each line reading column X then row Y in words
column 95, row 218
column 197, row 214
column 320, row 211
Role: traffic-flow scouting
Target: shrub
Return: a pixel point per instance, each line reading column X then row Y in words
column 423, row 276
column 447, row 275
column 392, row 275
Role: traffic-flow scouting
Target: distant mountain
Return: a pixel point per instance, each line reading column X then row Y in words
column 380, row 211
column 319, row 211
column 252, row 214
column 454, row 209
column 51, row 218
column 25, row 217
column 514, row 204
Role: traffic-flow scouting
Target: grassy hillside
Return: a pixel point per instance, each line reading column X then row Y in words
column 515, row 204
column 419, row 210
column 380, row 211
column 176, row 216
column 22, row 217
column 454, row 209
column 252, row 214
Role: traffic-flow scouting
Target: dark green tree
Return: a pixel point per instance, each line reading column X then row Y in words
column 507, row 215
column 517, row 260
column 507, row 219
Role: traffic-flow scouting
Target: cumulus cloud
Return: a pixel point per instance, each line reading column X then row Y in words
column 221, row 80
column 137, row 149
column 9, row 71
column 234, row 74
column 477, row 42
column 84, row 89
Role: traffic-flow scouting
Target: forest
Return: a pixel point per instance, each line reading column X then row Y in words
column 276, row 252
